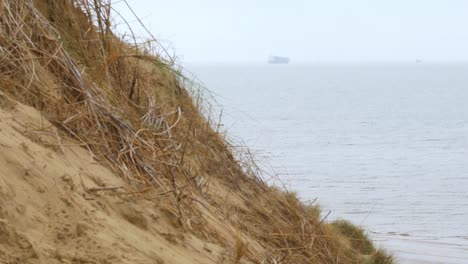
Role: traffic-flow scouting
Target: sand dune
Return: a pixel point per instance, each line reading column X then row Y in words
column 111, row 156
column 51, row 214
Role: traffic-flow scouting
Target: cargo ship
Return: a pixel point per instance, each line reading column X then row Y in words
column 278, row 60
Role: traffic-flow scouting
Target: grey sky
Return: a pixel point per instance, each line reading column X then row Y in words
column 309, row 31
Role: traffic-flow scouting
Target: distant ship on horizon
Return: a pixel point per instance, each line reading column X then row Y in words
column 278, row 60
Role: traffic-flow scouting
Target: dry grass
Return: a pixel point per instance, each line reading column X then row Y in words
column 380, row 257
column 88, row 83
column 241, row 250
column 356, row 235
column 138, row 114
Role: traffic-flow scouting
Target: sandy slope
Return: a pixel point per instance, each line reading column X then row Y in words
column 194, row 197
column 47, row 216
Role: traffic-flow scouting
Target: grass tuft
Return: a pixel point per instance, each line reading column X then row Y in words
column 356, row 235
column 381, row 257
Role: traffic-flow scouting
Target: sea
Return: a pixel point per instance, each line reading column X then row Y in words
column 382, row 145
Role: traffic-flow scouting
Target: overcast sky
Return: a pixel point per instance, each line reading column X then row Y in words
column 205, row 31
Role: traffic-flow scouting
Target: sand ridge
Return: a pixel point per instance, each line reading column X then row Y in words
column 46, row 216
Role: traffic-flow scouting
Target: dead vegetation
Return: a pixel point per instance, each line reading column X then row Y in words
column 137, row 114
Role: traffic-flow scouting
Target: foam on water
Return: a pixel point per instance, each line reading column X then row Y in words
column 385, row 146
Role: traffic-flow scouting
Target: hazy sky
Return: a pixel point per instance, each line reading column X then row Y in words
column 309, row 30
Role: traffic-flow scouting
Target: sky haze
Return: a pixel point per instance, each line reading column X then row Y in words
column 209, row 31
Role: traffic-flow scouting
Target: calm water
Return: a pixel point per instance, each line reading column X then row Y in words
column 385, row 146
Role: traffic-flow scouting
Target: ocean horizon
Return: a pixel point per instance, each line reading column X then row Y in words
column 383, row 145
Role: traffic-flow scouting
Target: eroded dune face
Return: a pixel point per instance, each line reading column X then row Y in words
column 60, row 205
column 57, row 205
